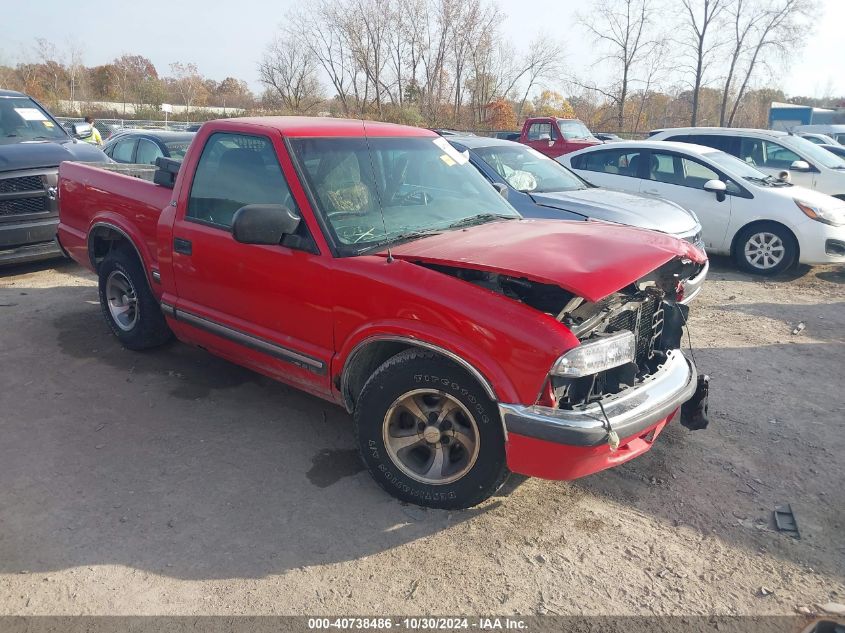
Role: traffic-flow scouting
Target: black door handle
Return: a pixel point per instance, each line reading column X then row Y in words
column 182, row 246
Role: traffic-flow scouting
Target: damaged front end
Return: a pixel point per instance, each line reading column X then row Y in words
column 627, row 338
column 649, row 310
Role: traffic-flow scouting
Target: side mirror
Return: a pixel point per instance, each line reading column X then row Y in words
column 502, row 188
column 81, row 130
column 800, row 165
column 263, row 223
column 551, row 142
column 717, row 187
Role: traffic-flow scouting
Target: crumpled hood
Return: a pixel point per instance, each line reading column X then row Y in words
column 39, row 154
column 590, row 259
column 625, row 208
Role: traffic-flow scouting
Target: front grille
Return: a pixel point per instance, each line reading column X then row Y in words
column 21, row 206
column 645, row 320
column 22, row 183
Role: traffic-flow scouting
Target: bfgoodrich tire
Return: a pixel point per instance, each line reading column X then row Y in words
column 765, row 248
column 429, row 434
column 128, row 304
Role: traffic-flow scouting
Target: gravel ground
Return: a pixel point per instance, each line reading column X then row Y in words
column 172, row 482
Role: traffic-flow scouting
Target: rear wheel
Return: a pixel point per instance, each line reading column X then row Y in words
column 128, row 304
column 429, row 434
column 766, row 248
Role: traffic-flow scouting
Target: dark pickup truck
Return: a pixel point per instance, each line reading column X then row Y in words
column 32, row 144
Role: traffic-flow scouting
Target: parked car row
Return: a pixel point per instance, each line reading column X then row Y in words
column 765, row 223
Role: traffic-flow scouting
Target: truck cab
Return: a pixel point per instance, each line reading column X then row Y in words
column 555, row 137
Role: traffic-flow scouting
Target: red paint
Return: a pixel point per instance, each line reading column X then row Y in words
column 591, row 259
column 537, row 458
column 556, row 146
column 322, row 306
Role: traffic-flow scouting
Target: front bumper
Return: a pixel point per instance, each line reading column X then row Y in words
column 566, row 444
column 693, row 285
column 28, row 240
column 820, row 243
column 31, row 253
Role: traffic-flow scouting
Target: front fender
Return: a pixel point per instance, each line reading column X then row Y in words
column 486, row 369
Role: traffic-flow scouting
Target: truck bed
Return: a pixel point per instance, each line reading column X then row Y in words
column 121, row 196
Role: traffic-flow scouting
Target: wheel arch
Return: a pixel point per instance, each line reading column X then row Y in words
column 753, row 223
column 371, row 352
column 103, row 237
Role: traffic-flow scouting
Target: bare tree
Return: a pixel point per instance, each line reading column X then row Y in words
column 623, row 26
column 543, row 62
column 188, row 83
column 759, row 27
column 701, row 18
column 289, row 68
column 318, row 28
column 75, row 68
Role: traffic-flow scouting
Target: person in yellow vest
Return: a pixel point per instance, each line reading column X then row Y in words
column 95, row 138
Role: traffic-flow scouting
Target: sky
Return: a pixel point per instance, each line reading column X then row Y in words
column 229, row 41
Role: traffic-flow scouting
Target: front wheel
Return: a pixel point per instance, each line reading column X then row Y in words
column 767, row 248
column 428, row 433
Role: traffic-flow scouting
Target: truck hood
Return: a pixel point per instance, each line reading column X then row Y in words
column 40, row 154
column 645, row 212
column 589, row 259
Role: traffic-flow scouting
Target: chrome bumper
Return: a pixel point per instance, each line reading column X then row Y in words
column 629, row 412
column 693, row 285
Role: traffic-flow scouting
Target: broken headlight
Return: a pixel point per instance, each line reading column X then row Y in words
column 597, row 355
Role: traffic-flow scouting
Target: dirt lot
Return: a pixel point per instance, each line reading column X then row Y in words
column 175, row 483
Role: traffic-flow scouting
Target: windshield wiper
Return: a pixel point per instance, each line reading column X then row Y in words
column 481, row 218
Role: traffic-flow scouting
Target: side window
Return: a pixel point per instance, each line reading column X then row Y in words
column 680, row 171
column 764, row 153
column 696, row 174
column 778, row 156
column 612, row 161
column 537, row 130
column 147, row 152
column 233, row 171
column 123, row 151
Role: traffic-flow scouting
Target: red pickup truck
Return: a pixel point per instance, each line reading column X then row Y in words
column 555, row 137
column 371, row 265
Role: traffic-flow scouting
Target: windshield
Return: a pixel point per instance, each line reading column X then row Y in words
column 21, row 119
column 738, row 167
column 815, row 154
column 528, row 170
column 395, row 189
column 177, row 149
column 573, row 129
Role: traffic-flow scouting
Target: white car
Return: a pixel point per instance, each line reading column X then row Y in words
column 819, row 139
column 778, row 154
column 764, row 223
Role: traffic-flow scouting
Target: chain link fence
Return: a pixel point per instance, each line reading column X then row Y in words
column 107, row 126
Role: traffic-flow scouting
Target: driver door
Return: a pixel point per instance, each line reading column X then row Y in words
column 681, row 179
column 269, row 307
column 541, row 136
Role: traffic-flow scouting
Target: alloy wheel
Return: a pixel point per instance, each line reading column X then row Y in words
column 431, row 436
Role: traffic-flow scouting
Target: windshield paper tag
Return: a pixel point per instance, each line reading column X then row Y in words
column 451, row 152
column 31, row 114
